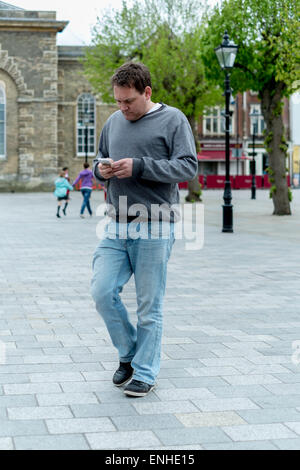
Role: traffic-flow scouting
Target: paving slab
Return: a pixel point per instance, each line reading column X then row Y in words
column 62, row 442
column 230, row 371
column 224, row 418
column 270, row 415
column 6, row 443
column 256, row 432
column 195, row 435
column 122, row 440
column 79, row 425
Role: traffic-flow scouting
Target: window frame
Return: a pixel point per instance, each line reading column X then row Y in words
column 214, row 115
column 86, row 100
column 256, row 108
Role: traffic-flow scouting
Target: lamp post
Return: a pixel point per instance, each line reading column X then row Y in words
column 254, row 118
column 226, row 54
column 86, row 121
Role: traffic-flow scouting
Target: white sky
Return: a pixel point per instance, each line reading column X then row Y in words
column 82, row 16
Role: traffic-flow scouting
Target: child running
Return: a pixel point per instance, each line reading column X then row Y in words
column 61, row 187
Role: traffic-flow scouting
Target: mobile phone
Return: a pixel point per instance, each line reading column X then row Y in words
column 104, row 161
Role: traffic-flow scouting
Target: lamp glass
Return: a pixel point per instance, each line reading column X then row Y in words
column 226, row 53
column 226, row 56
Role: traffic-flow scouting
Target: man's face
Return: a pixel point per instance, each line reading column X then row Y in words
column 131, row 102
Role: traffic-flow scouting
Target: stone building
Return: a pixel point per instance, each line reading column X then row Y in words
column 44, row 98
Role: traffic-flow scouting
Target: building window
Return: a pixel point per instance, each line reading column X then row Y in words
column 257, row 123
column 2, row 123
column 214, row 122
column 86, row 122
column 265, row 163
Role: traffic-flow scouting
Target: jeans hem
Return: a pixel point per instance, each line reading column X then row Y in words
column 126, row 359
column 141, row 379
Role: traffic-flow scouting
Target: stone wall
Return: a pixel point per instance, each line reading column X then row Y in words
column 42, row 83
column 32, row 69
column 28, row 69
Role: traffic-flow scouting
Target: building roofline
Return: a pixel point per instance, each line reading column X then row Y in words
column 9, row 24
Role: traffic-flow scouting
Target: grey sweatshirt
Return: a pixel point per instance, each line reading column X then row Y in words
column 162, row 147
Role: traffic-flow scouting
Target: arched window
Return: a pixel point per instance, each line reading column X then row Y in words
column 2, row 123
column 86, row 125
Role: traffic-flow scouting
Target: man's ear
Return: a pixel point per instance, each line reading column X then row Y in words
column 148, row 92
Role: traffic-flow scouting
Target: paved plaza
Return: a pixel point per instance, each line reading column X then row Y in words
column 230, row 371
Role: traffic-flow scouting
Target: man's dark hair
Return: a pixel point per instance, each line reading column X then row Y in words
column 65, row 168
column 86, row 165
column 132, row 74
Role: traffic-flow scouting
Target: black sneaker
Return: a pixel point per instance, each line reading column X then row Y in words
column 123, row 374
column 138, row 389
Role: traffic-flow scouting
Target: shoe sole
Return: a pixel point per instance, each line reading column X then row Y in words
column 123, row 383
column 138, row 394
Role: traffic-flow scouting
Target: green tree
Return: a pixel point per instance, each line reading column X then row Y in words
column 165, row 35
column 267, row 32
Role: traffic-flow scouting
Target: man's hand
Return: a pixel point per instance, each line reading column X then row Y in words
column 123, row 168
column 106, row 171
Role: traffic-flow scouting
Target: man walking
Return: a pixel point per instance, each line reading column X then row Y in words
column 149, row 148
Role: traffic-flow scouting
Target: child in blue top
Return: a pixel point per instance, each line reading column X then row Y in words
column 61, row 188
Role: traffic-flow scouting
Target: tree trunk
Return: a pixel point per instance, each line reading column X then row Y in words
column 194, row 187
column 276, row 146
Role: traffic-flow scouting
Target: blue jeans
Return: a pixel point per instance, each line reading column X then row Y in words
column 115, row 260
column 86, row 193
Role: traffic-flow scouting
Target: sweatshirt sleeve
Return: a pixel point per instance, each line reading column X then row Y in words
column 182, row 164
column 77, row 179
column 102, row 153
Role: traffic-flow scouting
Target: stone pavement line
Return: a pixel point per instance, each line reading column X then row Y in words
column 230, row 376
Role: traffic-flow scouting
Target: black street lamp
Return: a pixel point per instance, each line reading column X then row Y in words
column 86, row 121
column 254, row 121
column 226, row 54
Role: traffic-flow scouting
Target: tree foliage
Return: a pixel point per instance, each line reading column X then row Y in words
column 166, row 36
